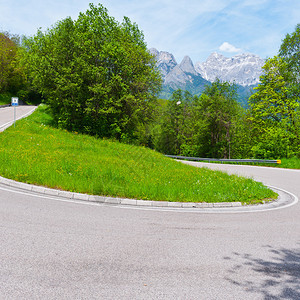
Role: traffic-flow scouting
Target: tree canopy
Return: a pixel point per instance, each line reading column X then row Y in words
column 202, row 126
column 290, row 51
column 95, row 73
column 98, row 77
column 275, row 107
column 11, row 76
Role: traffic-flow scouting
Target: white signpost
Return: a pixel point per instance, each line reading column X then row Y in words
column 14, row 103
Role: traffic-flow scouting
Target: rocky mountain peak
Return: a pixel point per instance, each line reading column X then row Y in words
column 243, row 69
column 165, row 61
column 215, row 56
column 187, row 66
column 154, row 52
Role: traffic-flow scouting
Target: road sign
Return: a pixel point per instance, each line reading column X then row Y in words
column 14, row 101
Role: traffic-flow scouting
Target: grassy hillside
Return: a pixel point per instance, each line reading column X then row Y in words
column 34, row 152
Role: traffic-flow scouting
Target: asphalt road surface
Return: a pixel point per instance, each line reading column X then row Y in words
column 7, row 114
column 55, row 249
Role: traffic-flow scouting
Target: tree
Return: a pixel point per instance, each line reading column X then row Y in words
column 275, row 112
column 11, row 76
column 218, row 111
column 290, row 52
column 172, row 134
column 275, row 107
column 96, row 74
column 204, row 126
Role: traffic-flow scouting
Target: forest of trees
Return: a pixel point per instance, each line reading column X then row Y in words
column 97, row 77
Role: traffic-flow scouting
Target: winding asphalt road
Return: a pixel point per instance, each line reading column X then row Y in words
column 7, row 114
column 51, row 248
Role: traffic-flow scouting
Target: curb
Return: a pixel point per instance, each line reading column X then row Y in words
column 112, row 200
column 108, row 200
column 143, row 203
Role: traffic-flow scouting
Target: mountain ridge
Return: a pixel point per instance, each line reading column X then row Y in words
column 243, row 69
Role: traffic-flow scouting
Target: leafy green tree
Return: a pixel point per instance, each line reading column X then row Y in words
column 242, row 141
column 96, row 74
column 290, row 52
column 218, row 108
column 275, row 112
column 11, row 75
column 275, row 107
column 171, row 134
column 202, row 126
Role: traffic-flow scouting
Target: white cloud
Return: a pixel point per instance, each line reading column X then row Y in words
column 226, row 47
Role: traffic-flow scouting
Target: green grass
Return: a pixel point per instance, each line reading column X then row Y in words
column 290, row 163
column 36, row 153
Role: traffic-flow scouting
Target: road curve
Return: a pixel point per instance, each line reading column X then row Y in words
column 55, row 249
column 7, row 114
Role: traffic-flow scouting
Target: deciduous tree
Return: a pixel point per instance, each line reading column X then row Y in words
column 290, row 52
column 219, row 108
column 275, row 112
column 96, row 74
column 11, row 76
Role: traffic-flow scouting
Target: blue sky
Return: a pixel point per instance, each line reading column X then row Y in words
column 182, row 27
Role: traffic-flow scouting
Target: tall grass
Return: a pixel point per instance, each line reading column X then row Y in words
column 290, row 163
column 36, row 153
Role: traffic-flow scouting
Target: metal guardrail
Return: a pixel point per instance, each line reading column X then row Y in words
column 265, row 161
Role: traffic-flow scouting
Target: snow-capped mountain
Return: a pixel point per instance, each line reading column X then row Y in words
column 242, row 69
column 165, row 61
column 181, row 73
column 175, row 76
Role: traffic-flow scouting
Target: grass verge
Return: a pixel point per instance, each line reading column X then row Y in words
column 36, row 153
column 289, row 163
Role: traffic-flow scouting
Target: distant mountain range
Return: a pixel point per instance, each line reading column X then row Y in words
column 243, row 69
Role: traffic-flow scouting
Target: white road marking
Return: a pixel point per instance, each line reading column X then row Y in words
column 21, row 117
column 177, row 210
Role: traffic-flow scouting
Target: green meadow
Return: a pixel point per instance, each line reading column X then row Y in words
column 37, row 153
